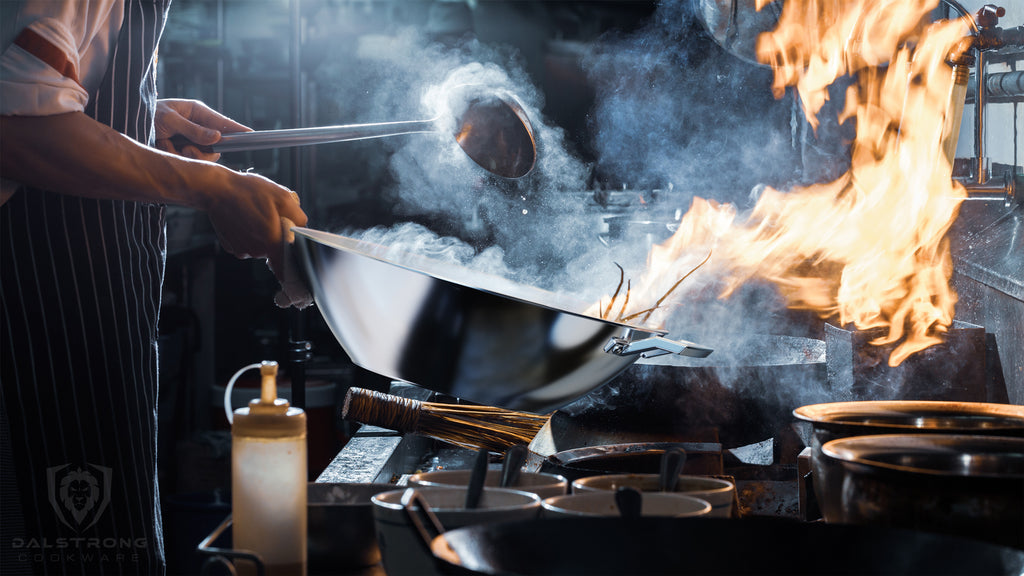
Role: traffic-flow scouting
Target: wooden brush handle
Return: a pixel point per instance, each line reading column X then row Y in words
column 468, row 425
column 380, row 409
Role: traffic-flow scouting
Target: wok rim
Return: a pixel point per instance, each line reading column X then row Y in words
column 318, row 237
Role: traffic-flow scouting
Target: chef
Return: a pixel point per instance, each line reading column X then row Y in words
column 82, row 251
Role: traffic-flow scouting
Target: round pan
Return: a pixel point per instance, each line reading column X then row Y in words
column 711, row 546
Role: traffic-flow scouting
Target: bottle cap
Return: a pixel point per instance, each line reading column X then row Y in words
column 269, row 416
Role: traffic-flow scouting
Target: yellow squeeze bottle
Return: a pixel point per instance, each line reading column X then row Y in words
column 268, row 480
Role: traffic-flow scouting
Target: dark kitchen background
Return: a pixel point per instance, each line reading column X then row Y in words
column 635, row 96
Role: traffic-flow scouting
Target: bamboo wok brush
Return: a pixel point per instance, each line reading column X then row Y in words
column 467, row 425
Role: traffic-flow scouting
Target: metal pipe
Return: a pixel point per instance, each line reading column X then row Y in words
column 981, row 174
column 1001, row 85
column 1005, row 191
column 297, row 320
column 289, row 137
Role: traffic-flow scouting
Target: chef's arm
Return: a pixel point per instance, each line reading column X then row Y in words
column 73, row 154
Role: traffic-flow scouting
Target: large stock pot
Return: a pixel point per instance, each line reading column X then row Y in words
column 472, row 335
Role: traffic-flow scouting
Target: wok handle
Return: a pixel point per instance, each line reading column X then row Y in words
column 656, row 346
column 266, row 139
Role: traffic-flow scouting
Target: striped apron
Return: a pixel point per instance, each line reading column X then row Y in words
column 79, row 306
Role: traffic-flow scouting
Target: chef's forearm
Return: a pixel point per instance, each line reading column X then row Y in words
column 73, row 154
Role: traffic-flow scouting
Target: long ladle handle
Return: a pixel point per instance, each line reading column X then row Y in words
column 265, row 139
column 672, row 462
column 477, row 477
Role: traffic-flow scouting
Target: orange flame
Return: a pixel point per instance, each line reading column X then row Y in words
column 870, row 247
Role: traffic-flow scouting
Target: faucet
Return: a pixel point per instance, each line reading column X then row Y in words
column 985, row 36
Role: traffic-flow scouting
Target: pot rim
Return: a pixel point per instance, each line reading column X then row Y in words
column 528, row 499
column 864, row 450
column 713, row 485
column 832, row 414
column 563, row 503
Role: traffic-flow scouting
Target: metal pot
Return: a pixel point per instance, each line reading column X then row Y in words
column 711, row 546
column 843, row 419
column 465, row 333
column 970, row 486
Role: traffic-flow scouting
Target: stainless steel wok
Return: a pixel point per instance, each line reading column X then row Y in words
column 465, row 333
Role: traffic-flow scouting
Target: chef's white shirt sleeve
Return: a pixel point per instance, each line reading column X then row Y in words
column 54, row 53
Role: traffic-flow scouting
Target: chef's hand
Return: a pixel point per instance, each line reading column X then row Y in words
column 194, row 121
column 293, row 290
column 247, row 211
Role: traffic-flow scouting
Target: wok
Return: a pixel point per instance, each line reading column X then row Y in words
column 471, row 335
column 711, row 546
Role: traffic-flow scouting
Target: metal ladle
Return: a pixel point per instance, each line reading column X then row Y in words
column 491, row 127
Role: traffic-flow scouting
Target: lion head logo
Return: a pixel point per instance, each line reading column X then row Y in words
column 79, row 493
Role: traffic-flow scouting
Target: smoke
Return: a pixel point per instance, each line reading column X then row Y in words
column 674, row 107
column 672, row 111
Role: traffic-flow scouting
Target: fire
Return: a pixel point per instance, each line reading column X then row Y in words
column 870, row 247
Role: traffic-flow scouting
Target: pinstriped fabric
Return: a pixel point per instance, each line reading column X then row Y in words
column 79, row 308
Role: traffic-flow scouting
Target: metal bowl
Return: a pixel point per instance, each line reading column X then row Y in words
column 836, row 420
column 464, row 333
column 971, row 486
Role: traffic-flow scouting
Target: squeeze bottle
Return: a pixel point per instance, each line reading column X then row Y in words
column 268, row 480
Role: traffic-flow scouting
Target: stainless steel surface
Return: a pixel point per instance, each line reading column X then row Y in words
column 449, row 329
column 988, row 275
column 965, row 485
column 491, row 127
column 952, row 370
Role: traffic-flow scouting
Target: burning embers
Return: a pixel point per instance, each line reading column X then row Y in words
column 868, row 248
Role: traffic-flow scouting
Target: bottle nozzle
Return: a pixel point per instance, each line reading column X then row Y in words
column 268, row 384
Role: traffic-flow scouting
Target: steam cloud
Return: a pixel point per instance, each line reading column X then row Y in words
column 672, row 111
